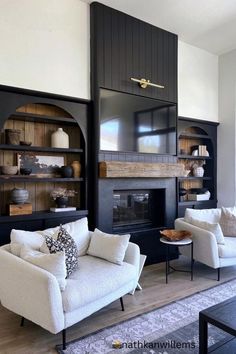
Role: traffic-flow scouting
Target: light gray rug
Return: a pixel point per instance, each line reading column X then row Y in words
column 173, row 323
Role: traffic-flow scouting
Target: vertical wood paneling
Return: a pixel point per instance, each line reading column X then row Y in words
column 127, row 47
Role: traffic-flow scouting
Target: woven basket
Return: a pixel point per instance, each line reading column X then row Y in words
column 176, row 235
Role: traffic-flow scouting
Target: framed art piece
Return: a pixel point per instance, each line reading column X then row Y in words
column 41, row 165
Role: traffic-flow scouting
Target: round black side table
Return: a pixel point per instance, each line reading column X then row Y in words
column 184, row 242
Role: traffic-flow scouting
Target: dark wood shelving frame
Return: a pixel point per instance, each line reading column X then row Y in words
column 21, row 178
column 39, row 148
column 78, row 111
column 30, row 117
column 190, row 157
column 208, row 181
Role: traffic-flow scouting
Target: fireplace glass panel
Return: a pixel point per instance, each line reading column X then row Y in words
column 138, row 208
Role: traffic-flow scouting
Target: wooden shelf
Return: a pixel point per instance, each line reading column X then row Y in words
column 21, row 178
column 191, row 157
column 194, row 136
column 42, row 215
column 193, row 177
column 195, row 202
column 39, row 148
column 30, row 117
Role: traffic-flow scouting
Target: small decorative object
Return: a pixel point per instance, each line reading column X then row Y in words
column 41, row 165
column 66, row 171
column 76, row 165
column 26, row 143
column 186, row 173
column 61, row 195
column 19, row 195
column 25, row 171
column 13, row 136
column 9, row 170
column 60, row 139
column 183, row 152
column 20, row 209
column 182, row 193
column 198, row 171
column 175, row 235
column 195, row 153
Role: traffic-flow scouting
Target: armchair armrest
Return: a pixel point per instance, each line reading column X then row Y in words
column 30, row 291
column 205, row 248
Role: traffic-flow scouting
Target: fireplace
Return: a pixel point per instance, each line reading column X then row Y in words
column 138, row 209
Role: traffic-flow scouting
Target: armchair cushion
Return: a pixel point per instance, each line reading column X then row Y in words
column 28, row 238
column 212, row 227
column 64, row 242
column 228, row 222
column 108, row 246
column 209, row 215
column 53, row 263
column 95, row 279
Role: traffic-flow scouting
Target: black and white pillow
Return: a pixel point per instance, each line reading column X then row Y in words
column 64, row 242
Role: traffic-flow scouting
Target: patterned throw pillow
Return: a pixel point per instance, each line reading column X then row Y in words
column 64, row 242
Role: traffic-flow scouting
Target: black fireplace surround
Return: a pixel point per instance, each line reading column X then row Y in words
column 141, row 207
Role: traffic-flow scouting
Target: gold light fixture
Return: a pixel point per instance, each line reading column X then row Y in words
column 143, row 83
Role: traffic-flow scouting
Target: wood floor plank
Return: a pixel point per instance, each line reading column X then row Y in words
column 32, row 339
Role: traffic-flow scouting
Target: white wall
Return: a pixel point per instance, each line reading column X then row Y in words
column 226, row 130
column 45, row 46
column 197, row 83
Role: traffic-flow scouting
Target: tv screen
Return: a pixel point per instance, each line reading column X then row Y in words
column 131, row 123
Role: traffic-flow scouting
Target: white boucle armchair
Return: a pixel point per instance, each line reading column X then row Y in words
column 205, row 248
column 34, row 293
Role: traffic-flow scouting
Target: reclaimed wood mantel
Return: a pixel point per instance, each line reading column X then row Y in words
column 119, row 169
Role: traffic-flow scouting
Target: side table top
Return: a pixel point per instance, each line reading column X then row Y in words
column 185, row 241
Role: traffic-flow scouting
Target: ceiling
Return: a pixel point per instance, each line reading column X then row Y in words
column 207, row 24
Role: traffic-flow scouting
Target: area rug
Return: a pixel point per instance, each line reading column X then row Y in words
column 170, row 329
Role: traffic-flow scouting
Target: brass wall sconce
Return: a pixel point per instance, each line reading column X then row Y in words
column 143, row 83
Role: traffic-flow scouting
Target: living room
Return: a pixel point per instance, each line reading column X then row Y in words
column 134, row 103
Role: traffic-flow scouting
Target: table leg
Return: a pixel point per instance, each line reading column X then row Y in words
column 192, row 261
column 167, row 263
column 203, row 335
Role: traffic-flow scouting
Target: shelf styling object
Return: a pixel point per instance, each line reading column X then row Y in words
column 198, row 171
column 9, row 170
column 20, row 209
column 62, row 202
column 66, row 171
column 182, row 193
column 25, row 171
column 61, row 195
column 76, row 165
column 60, row 139
column 12, row 136
column 25, row 143
column 19, row 195
column 175, row 235
column 58, row 210
column 199, row 197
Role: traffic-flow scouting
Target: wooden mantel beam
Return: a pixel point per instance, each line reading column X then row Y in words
column 119, row 169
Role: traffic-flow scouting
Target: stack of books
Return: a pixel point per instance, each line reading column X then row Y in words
column 202, row 150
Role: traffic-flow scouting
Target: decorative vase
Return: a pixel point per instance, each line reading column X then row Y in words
column 19, row 196
column 59, row 139
column 62, row 202
column 66, row 171
column 13, row 136
column 76, row 165
column 198, row 171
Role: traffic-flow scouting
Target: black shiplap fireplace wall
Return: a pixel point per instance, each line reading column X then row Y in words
column 147, row 239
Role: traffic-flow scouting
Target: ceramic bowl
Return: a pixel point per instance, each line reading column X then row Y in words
column 9, row 170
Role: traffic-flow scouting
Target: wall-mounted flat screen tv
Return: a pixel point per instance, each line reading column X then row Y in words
column 131, row 123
